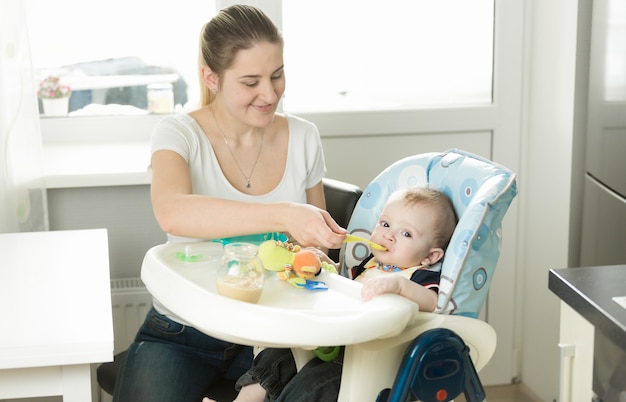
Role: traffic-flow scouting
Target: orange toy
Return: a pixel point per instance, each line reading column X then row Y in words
column 306, row 264
column 291, row 262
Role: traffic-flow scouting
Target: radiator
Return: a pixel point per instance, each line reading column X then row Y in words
column 130, row 302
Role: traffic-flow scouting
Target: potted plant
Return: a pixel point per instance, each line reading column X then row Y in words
column 54, row 96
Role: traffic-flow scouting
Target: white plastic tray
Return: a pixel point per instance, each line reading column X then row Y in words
column 285, row 316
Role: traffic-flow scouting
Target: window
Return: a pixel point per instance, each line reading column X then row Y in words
column 340, row 55
column 615, row 52
column 395, row 54
column 108, row 52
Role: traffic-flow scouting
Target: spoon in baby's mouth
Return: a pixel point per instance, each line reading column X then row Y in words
column 350, row 238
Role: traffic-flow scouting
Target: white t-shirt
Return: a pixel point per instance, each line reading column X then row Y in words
column 305, row 164
column 305, row 161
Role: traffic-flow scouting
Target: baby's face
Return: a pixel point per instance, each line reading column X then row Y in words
column 406, row 230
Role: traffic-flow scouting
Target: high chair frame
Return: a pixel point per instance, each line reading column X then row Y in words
column 481, row 192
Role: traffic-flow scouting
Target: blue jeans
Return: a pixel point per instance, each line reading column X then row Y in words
column 275, row 370
column 172, row 362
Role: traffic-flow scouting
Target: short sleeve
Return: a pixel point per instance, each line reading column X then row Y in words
column 306, row 133
column 173, row 133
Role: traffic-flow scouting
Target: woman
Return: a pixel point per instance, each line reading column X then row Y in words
column 232, row 167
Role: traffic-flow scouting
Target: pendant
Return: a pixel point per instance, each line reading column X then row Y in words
column 248, row 184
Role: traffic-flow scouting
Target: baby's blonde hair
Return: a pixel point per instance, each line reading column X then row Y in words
column 446, row 218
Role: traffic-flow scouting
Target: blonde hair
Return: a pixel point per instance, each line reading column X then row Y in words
column 445, row 214
column 233, row 28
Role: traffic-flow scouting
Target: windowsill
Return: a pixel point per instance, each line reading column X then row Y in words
column 97, row 151
column 96, row 164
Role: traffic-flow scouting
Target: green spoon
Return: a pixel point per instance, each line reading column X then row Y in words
column 354, row 238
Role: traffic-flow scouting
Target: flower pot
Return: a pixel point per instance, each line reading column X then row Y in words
column 56, row 106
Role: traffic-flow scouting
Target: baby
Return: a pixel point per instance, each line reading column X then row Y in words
column 415, row 227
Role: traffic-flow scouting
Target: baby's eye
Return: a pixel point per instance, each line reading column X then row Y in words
column 406, row 234
column 384, row 224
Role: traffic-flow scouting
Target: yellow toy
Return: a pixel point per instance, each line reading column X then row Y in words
column 292, row 263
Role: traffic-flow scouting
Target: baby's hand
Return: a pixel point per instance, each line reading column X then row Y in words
column 381, row 284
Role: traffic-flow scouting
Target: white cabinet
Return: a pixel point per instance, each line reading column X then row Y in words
column 576, row 356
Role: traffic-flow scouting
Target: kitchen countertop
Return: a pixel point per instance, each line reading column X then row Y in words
column 590, row 292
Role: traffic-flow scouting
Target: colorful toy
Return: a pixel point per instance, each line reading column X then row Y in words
column 293, row 264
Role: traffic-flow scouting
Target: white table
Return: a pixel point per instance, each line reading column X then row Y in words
column 375, row 333
column 55, row 312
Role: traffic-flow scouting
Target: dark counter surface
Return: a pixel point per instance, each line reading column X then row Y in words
column 590, row 291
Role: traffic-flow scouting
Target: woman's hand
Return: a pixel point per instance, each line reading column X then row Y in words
column 312, row 226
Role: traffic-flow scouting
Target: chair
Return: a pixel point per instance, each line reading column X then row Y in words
column 481, row 192
column 435, row 367
column 341, row 198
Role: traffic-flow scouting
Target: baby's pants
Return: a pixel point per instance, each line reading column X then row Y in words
column 275, row 370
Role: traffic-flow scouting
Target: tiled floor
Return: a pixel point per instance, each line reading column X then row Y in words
column 506, row 393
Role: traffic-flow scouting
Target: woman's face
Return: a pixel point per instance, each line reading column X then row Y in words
column 406, row 229
column 252, row 88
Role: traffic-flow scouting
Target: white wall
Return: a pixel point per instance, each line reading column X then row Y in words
column 550, row 156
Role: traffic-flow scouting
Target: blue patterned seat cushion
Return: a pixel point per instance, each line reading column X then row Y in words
column 481, row 192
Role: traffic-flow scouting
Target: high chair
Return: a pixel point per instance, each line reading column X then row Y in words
column 481, row 192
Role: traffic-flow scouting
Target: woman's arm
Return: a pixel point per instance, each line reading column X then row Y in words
column 315, row 196
column 181, row 213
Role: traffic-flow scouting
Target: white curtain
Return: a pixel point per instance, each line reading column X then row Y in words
column 23, row 205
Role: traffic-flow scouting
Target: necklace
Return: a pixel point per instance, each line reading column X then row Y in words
column 258, row 155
